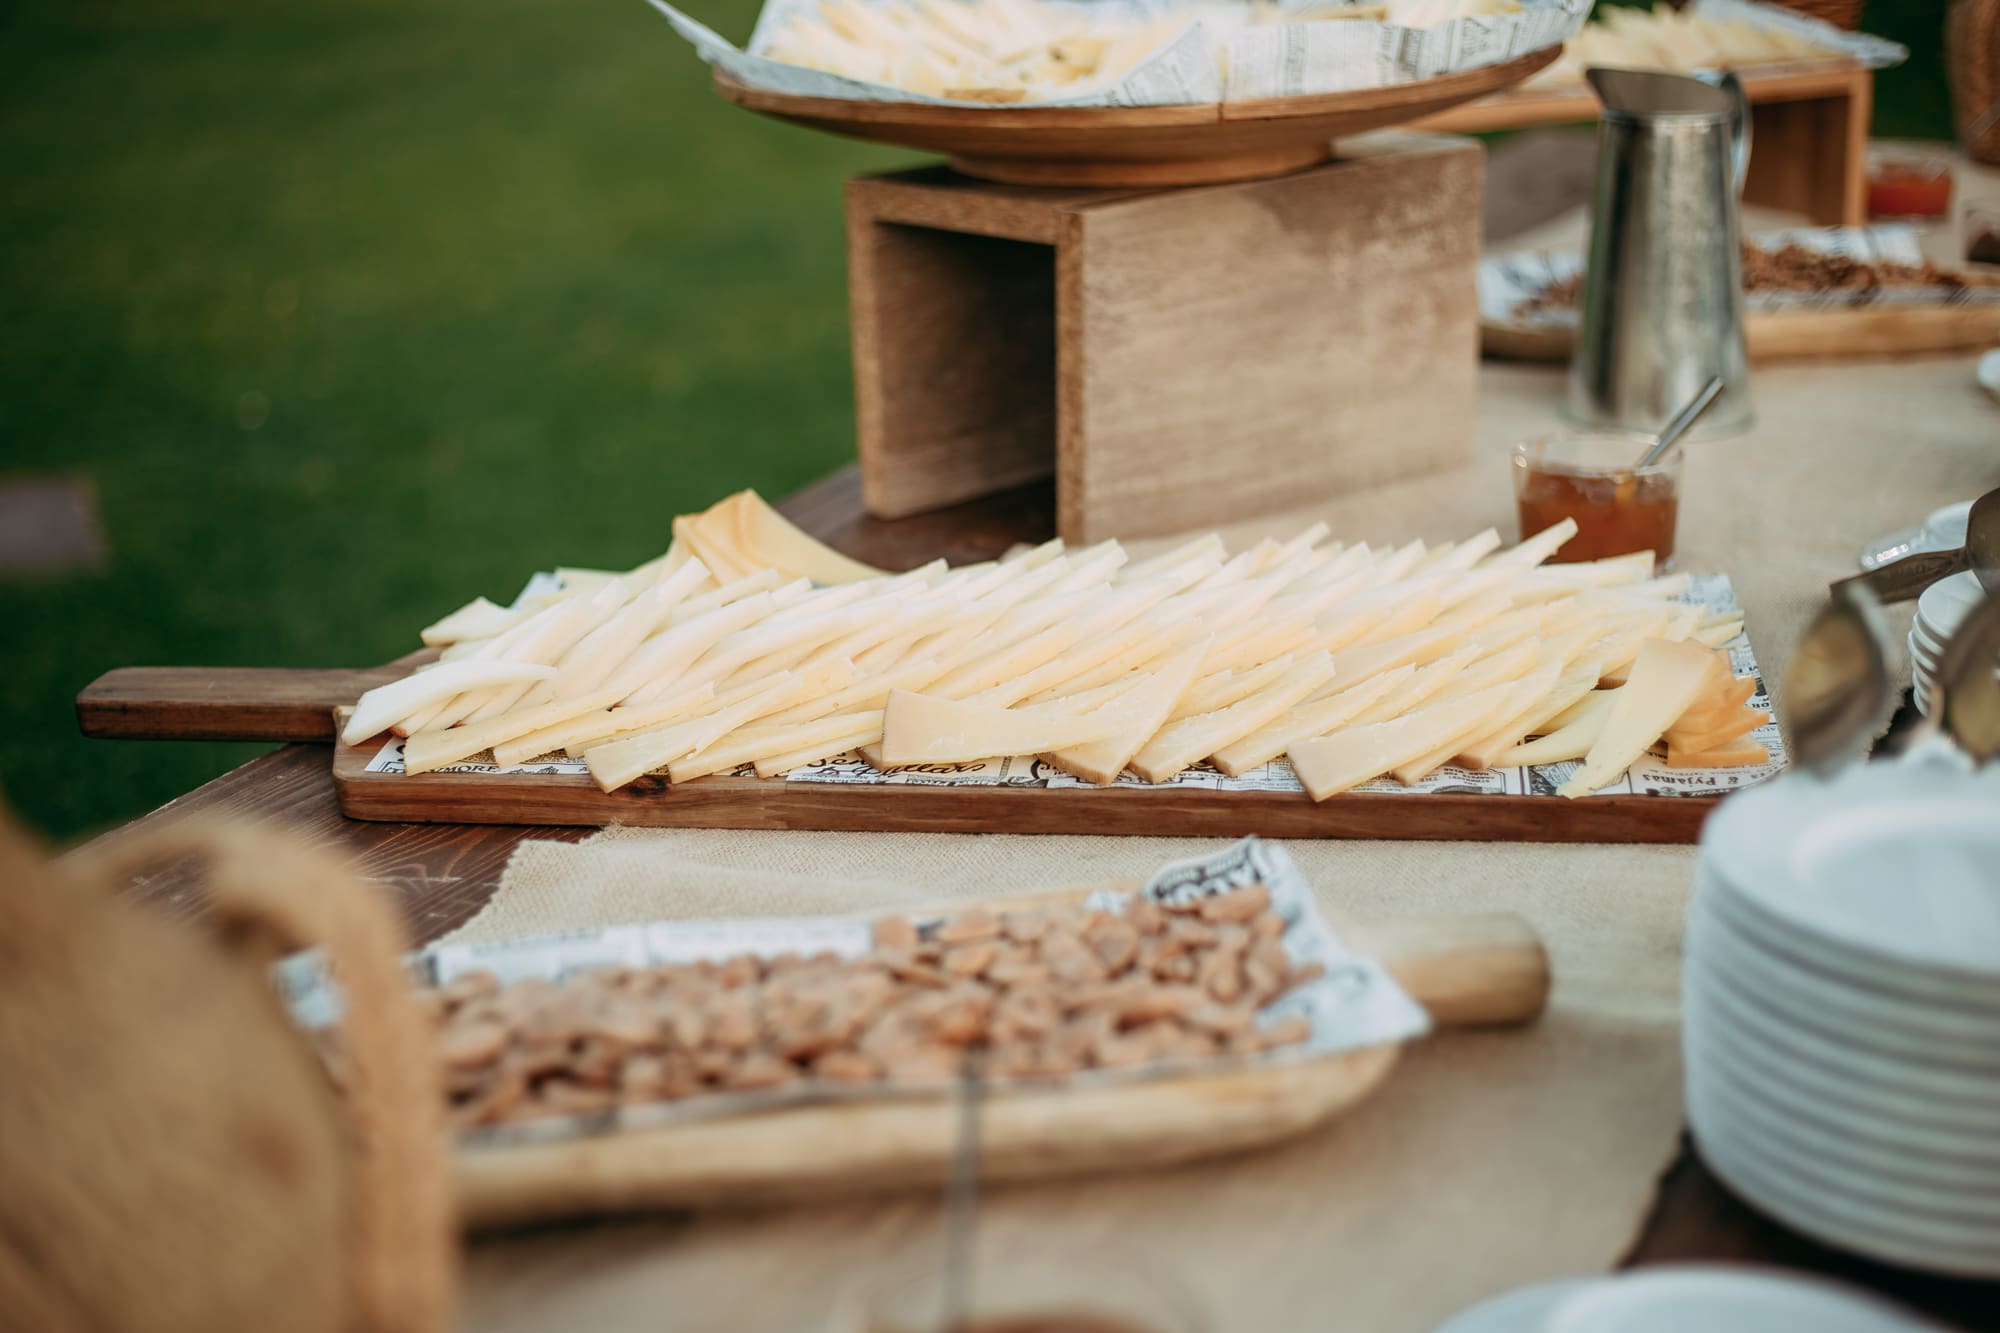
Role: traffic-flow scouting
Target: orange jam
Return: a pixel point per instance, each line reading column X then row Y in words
column 1614, row 515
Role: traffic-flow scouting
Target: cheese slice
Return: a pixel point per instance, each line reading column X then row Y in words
column 748, row 745
column 1666, row 677
column 1381, row 615
column 773, row 538
column 1714, row 636
column 1191, row 739
column 1717, row 705
column 712, row 548
column 1525, row 691
column 590, row 663
column 764, row 580
column 477, row 619
column 1332, row 764
column 1305, row 720
column 1737, row 754
column 1210, row 546
column 1717, row 734
column 654, row 669
column 931, row 729
column 616, row 762
column 432, row 750
column 378, row 708
column 585, row 730
column 1138, row 714
column 1576, row 684
column 813, row 754
column 546, row 639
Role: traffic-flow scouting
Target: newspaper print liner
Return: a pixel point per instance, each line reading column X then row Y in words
column 1650, row 776
column 1211, row 60
column 1506, row 281
column 1354, row 1004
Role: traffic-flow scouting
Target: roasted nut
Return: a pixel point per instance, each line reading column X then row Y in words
column 969, row 960
column 895, row 932
column 1114, row 940
column 978, row 924
column 464, row 1045
column 1243, row 904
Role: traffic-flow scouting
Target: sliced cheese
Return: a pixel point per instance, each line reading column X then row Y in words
column 812, row 754
column 1717, row 734
column 1737, row 754
column 432, row 750
column 385, row 704
column 772, row 537
column 580, row 733
column 765, row 741
column 616, row 762
column 1524, row 692
column 1313, row 717
column 1137, row 715
column 1666, row 677
column 735, row 590
column 1191, row 739
column 931, row 729
column 655, row 668
column 1332, row 764
column 602, row 651
column 477, row 619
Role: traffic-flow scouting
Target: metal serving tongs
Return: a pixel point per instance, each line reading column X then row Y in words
column 1837, row 694
column 1900, row 580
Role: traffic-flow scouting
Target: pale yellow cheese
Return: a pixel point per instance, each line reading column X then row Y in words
column 375, row 710
column 477, row 619
column 1378, row 616
column 1572, row 740
column 1666, row 677
column 579, row 733
column 602, row 651
column 1523, row 694
column 616, row 762
column 1181, row 743
column 765, row 741
column 1211, row 546
column 1332, row 764
column 1137, row 715
column 1309, row 718
column 812, row 754
column 653, row 670
column 1418, row 690
column 773, row 538
column 432, row 750
column 930, row 729
column 764, row 580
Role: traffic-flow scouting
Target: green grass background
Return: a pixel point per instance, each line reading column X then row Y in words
column 350, row 310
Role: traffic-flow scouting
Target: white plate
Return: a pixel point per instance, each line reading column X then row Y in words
column 1936, row 1033
column 1827, row 1048
column 1989, row 372
column 1900, row 860
column 1890, row 979
column 1924, row 643
column 1524, row 1310
column 1947, row 601
column 1889, row 1104
column 1892, row 1160
column 1821, row 1208
column 1725, row 1300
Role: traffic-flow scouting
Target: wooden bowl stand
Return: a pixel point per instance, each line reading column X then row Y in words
column 1174, row 357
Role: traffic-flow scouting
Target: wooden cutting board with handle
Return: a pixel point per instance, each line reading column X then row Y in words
column 1467, row 971
column 228, row 703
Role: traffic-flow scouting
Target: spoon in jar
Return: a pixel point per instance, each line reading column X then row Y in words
column 1682, row 422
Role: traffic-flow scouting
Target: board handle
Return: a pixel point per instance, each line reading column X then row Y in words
column 226, row 703
column 1468, row 971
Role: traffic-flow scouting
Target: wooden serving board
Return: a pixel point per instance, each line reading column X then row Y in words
column 1466, row 971
column 1145, row 146
column 186, row 703
column 1782, row 335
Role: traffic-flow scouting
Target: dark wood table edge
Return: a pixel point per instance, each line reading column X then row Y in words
column 444, row 874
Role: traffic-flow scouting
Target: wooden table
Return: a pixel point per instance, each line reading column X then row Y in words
column 442, row 874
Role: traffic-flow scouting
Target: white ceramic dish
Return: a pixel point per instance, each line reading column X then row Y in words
column 1941, row 1034
column 1827, row 1048
column 1819, row 855
column 1724, row 1300
column 1524, row 1310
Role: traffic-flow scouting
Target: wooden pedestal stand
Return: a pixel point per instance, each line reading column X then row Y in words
column 1808, row 143
column 1175, row 357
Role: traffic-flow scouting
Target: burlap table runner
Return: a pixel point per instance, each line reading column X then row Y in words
column 1487, row 1160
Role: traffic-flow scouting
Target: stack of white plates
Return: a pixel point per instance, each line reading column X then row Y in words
column 1842, row 994
column 1686, row 1298
column 1943, row 605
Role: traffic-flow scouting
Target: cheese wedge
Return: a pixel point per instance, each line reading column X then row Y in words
column 1722, row 704
column 580, row 733
column 1525, row 692
column 748, row 745
column 1737, row 754
column 614, row 763
column 1191, row 739
column 654, row 669
column 379, row 707
column 1333, row 764
column 1313, row 717
column 773, row 538
column 1138, row 713
column 929, row 729
column 477, row 619
column 1666, row 677
column 431, row 750
column 1716, row 734
column 1571, row 688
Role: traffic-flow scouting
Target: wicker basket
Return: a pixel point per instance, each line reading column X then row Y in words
column 1972, row 63
column 1840, row 13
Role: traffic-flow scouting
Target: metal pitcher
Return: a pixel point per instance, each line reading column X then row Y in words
column 1662, row 306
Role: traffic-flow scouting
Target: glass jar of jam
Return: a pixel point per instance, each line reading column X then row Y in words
column 1589, row 477
column 1909, row 180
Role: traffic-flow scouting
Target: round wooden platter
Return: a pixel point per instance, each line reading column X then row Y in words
column 1467, row 971
column 1198, row 144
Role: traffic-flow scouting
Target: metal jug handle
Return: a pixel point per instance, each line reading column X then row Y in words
column 1739, row 129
